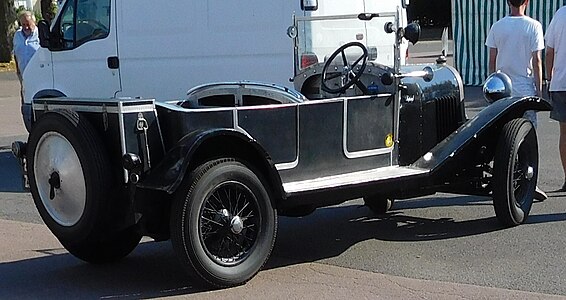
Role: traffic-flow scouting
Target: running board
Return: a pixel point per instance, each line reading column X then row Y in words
column 360, row 177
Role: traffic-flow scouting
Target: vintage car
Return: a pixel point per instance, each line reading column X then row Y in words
column 213, row 171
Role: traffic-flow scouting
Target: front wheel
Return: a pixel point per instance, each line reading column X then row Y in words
column 223, row 224
column 515, row 171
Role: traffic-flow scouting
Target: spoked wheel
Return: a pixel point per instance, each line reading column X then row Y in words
column 69, row 176
column 515, row 171
column 223, row 225
column 378, row 204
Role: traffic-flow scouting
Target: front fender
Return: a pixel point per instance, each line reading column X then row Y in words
column 501, row 110
column 169, row 173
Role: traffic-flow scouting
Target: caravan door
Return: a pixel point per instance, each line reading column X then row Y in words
column 85, row 61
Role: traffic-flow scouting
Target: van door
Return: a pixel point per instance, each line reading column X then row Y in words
column 85, row 57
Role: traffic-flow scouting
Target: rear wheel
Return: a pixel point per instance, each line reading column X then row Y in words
column 515, row 171
column 69, row 176
column 223, row 224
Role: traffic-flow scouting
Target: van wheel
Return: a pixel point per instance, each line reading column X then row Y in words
column 69, row 175
column 378, row 204
column 515, row 171
column 223, row 224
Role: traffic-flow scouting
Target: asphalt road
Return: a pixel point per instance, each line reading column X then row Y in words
column 439, row 247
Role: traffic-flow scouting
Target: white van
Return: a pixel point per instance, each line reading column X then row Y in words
column 160, row 49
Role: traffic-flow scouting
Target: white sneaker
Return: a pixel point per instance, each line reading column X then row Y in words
column 539, row 194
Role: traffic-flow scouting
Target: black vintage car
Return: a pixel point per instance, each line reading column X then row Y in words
column 213, row 171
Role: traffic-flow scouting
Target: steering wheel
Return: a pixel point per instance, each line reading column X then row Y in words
column 349, row 73
column 96, row 22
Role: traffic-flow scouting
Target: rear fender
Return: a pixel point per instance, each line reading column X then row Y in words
column 501, row 111
column 185, row 156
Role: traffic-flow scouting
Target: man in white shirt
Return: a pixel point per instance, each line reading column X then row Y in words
column 26, row 42
column 556, row 73
column 515, row 48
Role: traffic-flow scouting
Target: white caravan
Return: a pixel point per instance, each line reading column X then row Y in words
column 143, row 48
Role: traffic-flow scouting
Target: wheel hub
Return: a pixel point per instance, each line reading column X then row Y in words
column 237, row 225
column 54, row 183
column 530, row 173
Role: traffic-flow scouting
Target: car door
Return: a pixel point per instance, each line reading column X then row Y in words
column 343, row 135
column 85, row 60
column 368, row 128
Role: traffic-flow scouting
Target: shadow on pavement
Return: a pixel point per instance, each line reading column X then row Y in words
column 11, row 174
column 152, row 270
column 331, row 231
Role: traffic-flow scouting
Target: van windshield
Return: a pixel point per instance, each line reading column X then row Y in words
column 81, row 21
column 318, row 37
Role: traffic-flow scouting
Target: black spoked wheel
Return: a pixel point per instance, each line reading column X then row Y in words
column 378, row 204
column 229, row 223
column 515, row 171
column 69, row 176
column 223, row 227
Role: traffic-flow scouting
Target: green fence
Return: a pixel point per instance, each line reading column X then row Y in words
column 471, row 21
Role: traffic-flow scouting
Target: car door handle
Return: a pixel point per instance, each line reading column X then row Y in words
column 113, row 62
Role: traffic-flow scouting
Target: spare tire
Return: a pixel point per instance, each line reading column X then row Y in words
column 69, row 174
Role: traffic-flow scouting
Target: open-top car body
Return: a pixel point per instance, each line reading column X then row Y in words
column 212, row 171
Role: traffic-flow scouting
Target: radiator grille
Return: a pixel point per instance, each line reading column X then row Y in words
column 449, row 115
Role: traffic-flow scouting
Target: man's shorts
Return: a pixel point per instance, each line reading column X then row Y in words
column 558, row 100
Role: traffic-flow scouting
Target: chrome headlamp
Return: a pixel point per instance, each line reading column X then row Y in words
column 497, row 86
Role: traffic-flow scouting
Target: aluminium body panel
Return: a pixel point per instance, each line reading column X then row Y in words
column 117, row 121
column 304, row 140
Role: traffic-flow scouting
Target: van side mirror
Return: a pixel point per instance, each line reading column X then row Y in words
column 412, row 33
column 44, row 33
column 309, row 5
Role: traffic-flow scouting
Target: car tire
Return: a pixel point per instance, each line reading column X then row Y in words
column 515, row 171
column 111, row 248
column 223, row 224
column 378, row 204
column 69, row 175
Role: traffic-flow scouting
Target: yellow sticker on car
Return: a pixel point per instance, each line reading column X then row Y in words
column 389, row 140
